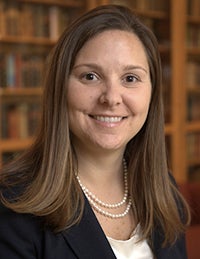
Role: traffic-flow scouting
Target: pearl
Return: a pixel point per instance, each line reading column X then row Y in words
column 96, row 202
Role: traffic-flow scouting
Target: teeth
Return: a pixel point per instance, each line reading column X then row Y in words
column 108, row 119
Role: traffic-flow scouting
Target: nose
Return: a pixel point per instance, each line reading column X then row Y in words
column 111, row 95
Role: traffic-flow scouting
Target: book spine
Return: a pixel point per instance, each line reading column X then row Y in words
column 10, row 70
column 20, row 120
column 194, row 7
column 23, row 120
column 12, row 17
column 12, row 122
column 193, row 108
column 3, row 78
column 2, row 19
column 54, row 22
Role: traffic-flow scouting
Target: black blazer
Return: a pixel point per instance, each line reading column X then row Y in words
column 22, row 236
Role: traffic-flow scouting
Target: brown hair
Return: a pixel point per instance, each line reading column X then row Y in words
column 44, row 177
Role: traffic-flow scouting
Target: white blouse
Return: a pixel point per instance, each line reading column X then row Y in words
column 129, row 249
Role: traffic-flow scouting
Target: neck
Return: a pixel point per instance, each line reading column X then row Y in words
column 101, row 168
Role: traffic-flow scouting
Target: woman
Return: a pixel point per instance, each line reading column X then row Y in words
column 95, row 183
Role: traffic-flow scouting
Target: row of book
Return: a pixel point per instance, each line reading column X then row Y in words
column 193, row 7
column 194, row 173
column 193, row 36
column 31, row 20
column 193, row 75
column 193, row 107
column 166, row 80
column 193, row 146
column 20, row 120
column 21, row 70
column 159, row 5
column 160, row 28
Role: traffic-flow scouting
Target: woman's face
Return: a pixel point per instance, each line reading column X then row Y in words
column 109, row 92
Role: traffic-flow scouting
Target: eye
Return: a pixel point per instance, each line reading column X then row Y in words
column 90, row 76
column 130, row 79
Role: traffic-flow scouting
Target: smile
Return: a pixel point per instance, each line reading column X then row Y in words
column 108, row 119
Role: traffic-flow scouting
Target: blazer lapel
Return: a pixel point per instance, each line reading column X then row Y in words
column 87, row 238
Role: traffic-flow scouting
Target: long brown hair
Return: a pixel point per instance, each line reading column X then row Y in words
column 42, row 181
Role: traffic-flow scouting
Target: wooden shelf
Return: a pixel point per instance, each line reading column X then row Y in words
column 193, row 127
column 194, row 90
column 13, row 145
column 193, row 19
column 193, row 162
column 193, row 51
column 68, row 3
column 26, row 40
column 169, row 129
column 20, row 91
column 152, row 14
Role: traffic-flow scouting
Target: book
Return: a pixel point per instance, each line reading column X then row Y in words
column 26, row 20
column 34, row 114
column 10, row 70
column 3, row 124
column 194, row 7
column 2, row 19
column 193, row 147
column 193, row 35
column 32, row 70
column 142, row 4
column 20, row 120
column 41, row 21
column 12, row 18
column 124, row 2
column 194, row 173
column 3, row 80
column 160, row 5
column 54, row 32
column 193, row 107
column 191, row 74
column 23, row 120
column 12, row 121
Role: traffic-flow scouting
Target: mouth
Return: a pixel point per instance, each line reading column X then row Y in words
column 107, row 119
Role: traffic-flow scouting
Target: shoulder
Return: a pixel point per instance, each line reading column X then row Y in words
column 10, row 219
column 25, row 236
column 19, row 230
column 13, row 223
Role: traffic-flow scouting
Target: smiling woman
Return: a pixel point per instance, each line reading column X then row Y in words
column 109, row 92
column 95, row 183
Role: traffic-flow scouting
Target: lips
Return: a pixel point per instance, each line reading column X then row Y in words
column 108, row 119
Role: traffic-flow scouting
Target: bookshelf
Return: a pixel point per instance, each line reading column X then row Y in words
column 193, row 89
column 28, row 30
column 177, row 27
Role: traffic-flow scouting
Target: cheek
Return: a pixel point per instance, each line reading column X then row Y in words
column 80, row 102
column 139, row 104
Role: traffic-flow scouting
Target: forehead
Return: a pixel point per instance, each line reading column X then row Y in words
column 113, row 34
column 113, row 44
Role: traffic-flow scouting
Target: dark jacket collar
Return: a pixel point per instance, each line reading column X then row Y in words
column 87, row 238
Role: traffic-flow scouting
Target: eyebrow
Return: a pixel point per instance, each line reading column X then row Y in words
column 95, row 66
column 133, row 67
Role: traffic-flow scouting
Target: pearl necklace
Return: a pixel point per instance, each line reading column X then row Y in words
column 96, row 203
